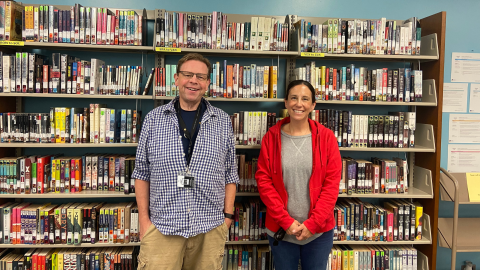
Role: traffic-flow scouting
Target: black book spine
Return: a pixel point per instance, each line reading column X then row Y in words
column 395, row 85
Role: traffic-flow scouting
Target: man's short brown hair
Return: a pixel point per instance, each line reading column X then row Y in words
column 194, row 56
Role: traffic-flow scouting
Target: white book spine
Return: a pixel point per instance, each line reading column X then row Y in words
column 109, row 22
column 35, row 25
column 93, row 25
column 261, row 33
column 31, row 73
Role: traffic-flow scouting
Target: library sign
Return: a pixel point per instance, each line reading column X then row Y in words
column 311, row 54
column 163, row 49
column 12, row 43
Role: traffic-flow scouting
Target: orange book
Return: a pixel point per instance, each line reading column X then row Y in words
column 265, row 81
column 272, row 85
column 229, row 81
column 78, row 175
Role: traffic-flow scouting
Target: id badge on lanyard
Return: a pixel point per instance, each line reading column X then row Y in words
column 185, row 180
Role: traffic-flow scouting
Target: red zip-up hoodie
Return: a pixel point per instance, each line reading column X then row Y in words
column 323, row 185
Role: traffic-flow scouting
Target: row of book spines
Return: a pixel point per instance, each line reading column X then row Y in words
column 379, row 176
column 235, row 81
column 249, row 222
column 38, row 175
column 229, row 81
column 99, row 125
column 394, row 257
column 121, row 258
column 82, row 25
column 215, row 32
column 72, row 223
column 363, row 84
column 247, row 257
column 250, row 127
column 70, row 125
column 360, row 37
column 246, row 174
column 396, row 130
column 27, row 73
column 361, row 221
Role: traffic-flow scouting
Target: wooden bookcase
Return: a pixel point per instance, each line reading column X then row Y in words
column 424, row 159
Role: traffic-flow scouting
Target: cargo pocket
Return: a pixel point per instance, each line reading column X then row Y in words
column 221, row 251
column 142, row 262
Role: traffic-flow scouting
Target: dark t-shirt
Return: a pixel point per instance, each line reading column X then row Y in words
column 188, row 118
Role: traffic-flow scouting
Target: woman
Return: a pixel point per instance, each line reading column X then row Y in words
column 298, row 177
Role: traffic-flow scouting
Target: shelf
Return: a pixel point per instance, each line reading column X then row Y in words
column 422, row 188
column 413, row 193
column 248, row 146
column 259, row 242
column 133, row 244
column 83, row 245
column 428, row 96
column 93, row 194
column 230, row 99
column 447, row 193
column 84, row 47
column 429, row 52
column 231, row 53
column 426, row 237
column 425, row 143
column 416, row 242
column 247, row 194
column 375, row 57
column 422, row 261
column 67, row 145
column 416, row 149
column 467, row 239
column 74, row 96
column 76, row 195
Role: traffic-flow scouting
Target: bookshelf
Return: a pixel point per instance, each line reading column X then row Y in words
column 429, row 98
column 68, row 145
column 84, row 47
column 27, row 95
column 424, row 159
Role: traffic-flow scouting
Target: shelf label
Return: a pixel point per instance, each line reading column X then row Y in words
column 12, row 43
column 312, row 54
column 163, row 49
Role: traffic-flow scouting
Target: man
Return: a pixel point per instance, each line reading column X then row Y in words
column 187, row 175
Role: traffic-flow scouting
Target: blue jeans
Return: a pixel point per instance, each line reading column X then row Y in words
column 313, row 255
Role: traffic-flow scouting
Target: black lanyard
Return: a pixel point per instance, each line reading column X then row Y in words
column 188, row 135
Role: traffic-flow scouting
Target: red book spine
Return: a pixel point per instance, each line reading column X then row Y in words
column 389, row 226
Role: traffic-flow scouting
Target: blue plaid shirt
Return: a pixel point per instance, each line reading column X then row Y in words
column 160, row 157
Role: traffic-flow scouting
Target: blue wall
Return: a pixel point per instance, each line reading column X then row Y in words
column 461, row 36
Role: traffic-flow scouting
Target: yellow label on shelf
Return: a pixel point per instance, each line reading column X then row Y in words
column 473, row 185
column 163, row 49
column 12, row 43
column 312, row 54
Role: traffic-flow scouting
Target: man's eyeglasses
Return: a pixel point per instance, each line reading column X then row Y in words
column 201, row 77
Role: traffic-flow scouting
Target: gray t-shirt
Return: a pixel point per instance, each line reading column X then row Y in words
column 297, row 169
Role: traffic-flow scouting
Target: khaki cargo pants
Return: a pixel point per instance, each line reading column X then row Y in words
column 171, row 252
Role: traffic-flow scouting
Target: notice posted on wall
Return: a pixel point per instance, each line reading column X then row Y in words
column 464, row 128
column 463, row 158
column 465, row 67
column 474, row 106
column 455, row 97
